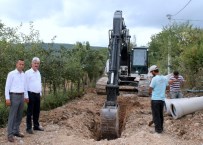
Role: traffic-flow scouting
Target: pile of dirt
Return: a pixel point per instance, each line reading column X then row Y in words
column 77, row 123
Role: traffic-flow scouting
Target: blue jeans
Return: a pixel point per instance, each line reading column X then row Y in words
column 175, row 95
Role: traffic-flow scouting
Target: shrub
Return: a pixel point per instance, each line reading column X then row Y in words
column 52, row 101
column 4, row 111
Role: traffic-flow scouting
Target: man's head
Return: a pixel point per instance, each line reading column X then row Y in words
column 35, row 63
column 154, row 70
column 176, row 74
column 20, row 64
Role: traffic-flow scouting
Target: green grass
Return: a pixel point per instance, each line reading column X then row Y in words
column 52, row 101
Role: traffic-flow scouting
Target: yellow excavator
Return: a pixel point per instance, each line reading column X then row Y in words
column 126, row 68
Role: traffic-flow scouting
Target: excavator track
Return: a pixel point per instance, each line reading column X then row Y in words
column 101, row 86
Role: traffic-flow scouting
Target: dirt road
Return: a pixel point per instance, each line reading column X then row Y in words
column 77, row 122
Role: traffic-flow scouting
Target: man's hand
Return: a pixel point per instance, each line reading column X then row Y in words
column 177, row 80
column 167, row 92
column 150, row 91
column 8, row 102
column 172, row 81
column 26, row 100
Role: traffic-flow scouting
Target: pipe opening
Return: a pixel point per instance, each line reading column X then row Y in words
column 173, row 110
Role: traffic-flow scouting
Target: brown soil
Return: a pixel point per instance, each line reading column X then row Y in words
column 77, row 123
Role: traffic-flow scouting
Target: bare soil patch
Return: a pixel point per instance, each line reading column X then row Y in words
column 77, row 123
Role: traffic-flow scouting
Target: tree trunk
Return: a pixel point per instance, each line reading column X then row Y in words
column 78, row 87
column 44, row 86
column 71, row 89
column 64, row 86
column 54, row 88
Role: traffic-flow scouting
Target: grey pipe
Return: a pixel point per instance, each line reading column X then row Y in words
column 185, row 106
column 168, row 103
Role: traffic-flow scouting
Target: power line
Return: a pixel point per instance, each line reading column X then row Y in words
column 182, row 8
column 187, row 20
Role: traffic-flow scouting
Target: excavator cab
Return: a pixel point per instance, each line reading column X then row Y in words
column 139, row 70
column 139, row 63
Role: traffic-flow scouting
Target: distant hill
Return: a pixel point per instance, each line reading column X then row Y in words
column 65, row 45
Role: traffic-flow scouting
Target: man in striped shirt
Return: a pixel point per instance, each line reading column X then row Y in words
column 176, row 81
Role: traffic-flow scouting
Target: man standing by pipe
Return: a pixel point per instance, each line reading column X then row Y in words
column 157, row 89
column 175, row 82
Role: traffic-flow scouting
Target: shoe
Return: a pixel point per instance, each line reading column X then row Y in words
column 19, row 134
column 38, row 128
column 29, row 131
column 150, row 123
column 159, row 131
column 10, row 139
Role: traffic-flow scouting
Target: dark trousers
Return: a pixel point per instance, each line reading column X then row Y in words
column 157, row 107
column 33, row 110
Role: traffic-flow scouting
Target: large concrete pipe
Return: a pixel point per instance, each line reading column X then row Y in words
column 168, row 103
column 185, row 106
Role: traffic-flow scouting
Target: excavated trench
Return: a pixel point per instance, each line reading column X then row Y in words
column 126, row 105
column 82, row 117
column 96, row 131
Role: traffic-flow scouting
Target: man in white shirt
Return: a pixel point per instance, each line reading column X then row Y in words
column 34, row 90
column 15, row 94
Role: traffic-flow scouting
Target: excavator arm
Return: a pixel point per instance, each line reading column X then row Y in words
column 119, row 39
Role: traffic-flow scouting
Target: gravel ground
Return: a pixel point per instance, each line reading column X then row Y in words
column 77, row 123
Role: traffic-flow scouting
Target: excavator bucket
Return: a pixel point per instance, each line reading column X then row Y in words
column 109, row 122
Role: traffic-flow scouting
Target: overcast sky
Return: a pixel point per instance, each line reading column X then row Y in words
column 90, row 20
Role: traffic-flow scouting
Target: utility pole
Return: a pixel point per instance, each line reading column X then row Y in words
column 169, row 44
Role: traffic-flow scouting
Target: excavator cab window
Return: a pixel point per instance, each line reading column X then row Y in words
column 139, row 61
column 140, row 57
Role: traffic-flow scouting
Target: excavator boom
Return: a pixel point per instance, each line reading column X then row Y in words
column 119, row 40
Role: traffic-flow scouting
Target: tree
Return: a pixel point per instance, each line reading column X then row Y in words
column 185, row 49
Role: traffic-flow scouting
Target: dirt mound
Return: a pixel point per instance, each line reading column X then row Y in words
column 77, row 123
